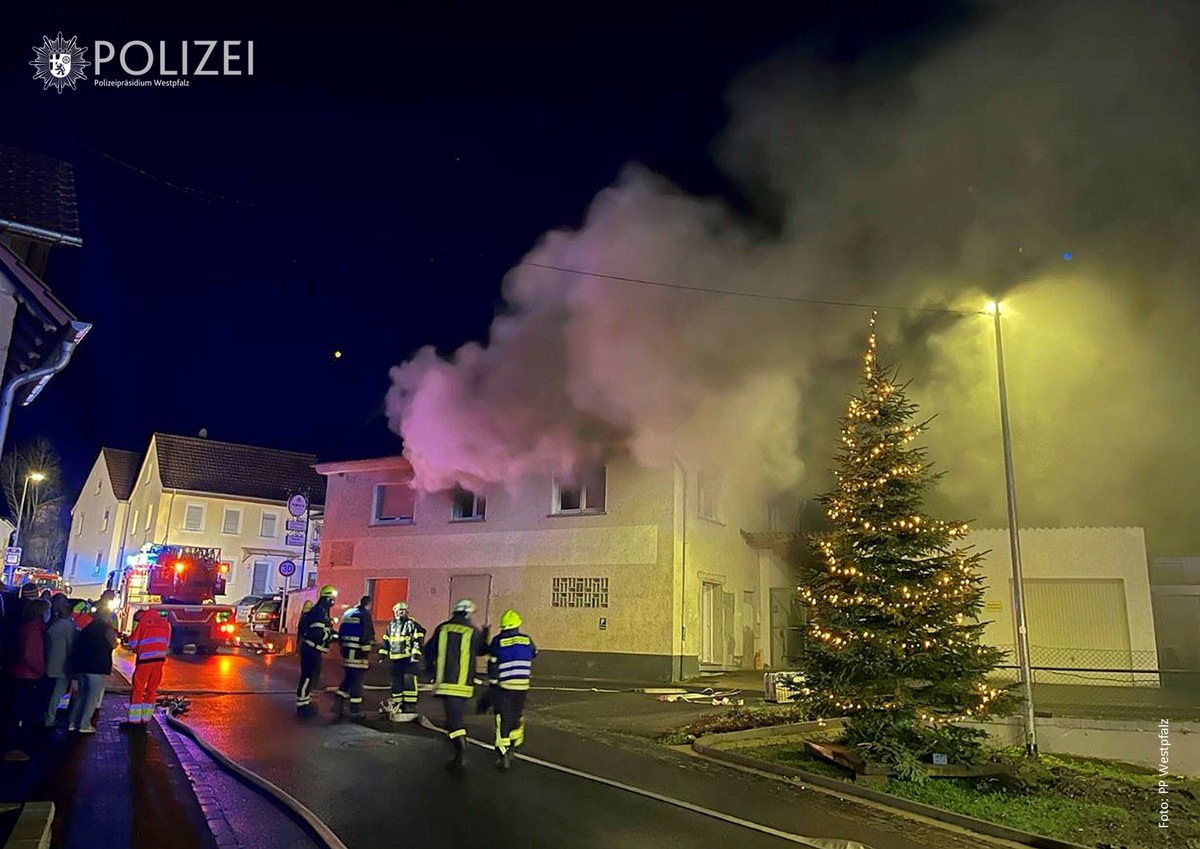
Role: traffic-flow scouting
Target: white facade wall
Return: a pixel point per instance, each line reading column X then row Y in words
column 97, row 521
column 650, row 545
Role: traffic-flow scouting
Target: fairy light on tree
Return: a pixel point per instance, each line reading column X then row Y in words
column 894, row 596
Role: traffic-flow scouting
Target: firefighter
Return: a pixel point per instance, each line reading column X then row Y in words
column 356, row 634
column 150, row 640
column 402, row 646
column 514, row 653
column 450, row 655
column 316, row 632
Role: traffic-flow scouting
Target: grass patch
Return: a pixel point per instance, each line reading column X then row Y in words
column 1103, row 804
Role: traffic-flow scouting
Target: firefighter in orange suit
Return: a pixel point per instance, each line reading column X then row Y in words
column 150, row 640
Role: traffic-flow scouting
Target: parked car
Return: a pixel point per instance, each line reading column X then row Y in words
column 265, row 615
column 245, row 606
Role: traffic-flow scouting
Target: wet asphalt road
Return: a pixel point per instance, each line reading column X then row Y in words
column 376, row 785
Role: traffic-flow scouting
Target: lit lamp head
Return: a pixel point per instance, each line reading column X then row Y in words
column 993, row 307
column 37, row 477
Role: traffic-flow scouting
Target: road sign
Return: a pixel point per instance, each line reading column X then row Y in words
column 12, row 556
column 296, row 525
column 294, row 539
column 287, row 568
column 297, row 505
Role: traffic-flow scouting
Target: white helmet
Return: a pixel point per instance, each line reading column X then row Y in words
column 465, row 606
column 399, row 607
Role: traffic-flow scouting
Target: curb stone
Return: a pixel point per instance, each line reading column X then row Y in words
column 709, row 746
column 32, row 830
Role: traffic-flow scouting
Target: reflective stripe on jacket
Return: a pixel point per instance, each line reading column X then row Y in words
column 450, row 654
column 356, row 634
column 316, row 629
column 402, row 640
column 151, row 638
column 514, row 653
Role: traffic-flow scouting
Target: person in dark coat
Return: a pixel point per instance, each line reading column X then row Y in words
column 91, row 664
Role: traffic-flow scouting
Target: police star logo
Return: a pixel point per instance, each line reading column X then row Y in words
column 59, row 62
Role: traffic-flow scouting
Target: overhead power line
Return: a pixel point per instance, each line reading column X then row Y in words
column 214, row 199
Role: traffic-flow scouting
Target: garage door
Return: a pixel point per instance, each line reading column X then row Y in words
column 1080, row 623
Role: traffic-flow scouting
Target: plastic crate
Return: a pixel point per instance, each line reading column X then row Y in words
column 782, row 687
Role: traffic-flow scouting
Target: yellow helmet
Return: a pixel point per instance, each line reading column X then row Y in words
column 329, row 591
column 510, row 619
column 399, row 607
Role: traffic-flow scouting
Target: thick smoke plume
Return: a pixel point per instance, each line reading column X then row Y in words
column 972, row 170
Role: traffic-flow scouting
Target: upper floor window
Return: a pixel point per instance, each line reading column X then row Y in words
column 782, row 515
column 134, row 526
column 79, row 526
column 394, row 504
column 585, row 496
column 468, row 505
column 708, row 495
column 150, row 518
column 104, row 520
column 268, row 526
column 193, row 518
column 231, row 522
column 99, row 485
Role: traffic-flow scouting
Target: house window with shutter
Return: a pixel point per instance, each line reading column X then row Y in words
column 193, row 518
column 269, row 524
column 231, row 523
column 394, row 504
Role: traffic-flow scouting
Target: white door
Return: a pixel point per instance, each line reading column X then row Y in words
column 710, row 595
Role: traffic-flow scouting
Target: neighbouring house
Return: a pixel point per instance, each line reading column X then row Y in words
column 37, row 331
column 202, row 492
column 1087, row 602
column 626, row 573
column 95, row 547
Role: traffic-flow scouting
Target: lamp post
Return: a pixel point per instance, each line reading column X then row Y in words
column 36, row 477
column 1015, row 546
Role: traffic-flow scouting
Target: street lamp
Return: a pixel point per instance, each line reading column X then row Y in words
column 36, row 477
column 993, row 308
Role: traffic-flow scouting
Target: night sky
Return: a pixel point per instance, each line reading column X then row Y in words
column 365, row 191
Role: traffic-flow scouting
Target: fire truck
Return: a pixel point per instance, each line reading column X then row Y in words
column 40, row 578
column 182, row 582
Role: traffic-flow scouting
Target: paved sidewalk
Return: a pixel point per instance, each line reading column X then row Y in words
column 112, row 788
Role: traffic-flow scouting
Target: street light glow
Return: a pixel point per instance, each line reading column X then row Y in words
column 37, row 477
column 992, row 307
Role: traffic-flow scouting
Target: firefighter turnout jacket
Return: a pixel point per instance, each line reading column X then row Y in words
column 356, row 635
column 316, row 628
column 402, row 640
column 514, row 653
column 151, row 638
column 450, row 654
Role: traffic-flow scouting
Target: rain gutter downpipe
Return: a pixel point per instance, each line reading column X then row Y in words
column 65, row 350
column 682, row 569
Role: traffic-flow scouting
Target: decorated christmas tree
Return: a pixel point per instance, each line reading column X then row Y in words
column 894, row 595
